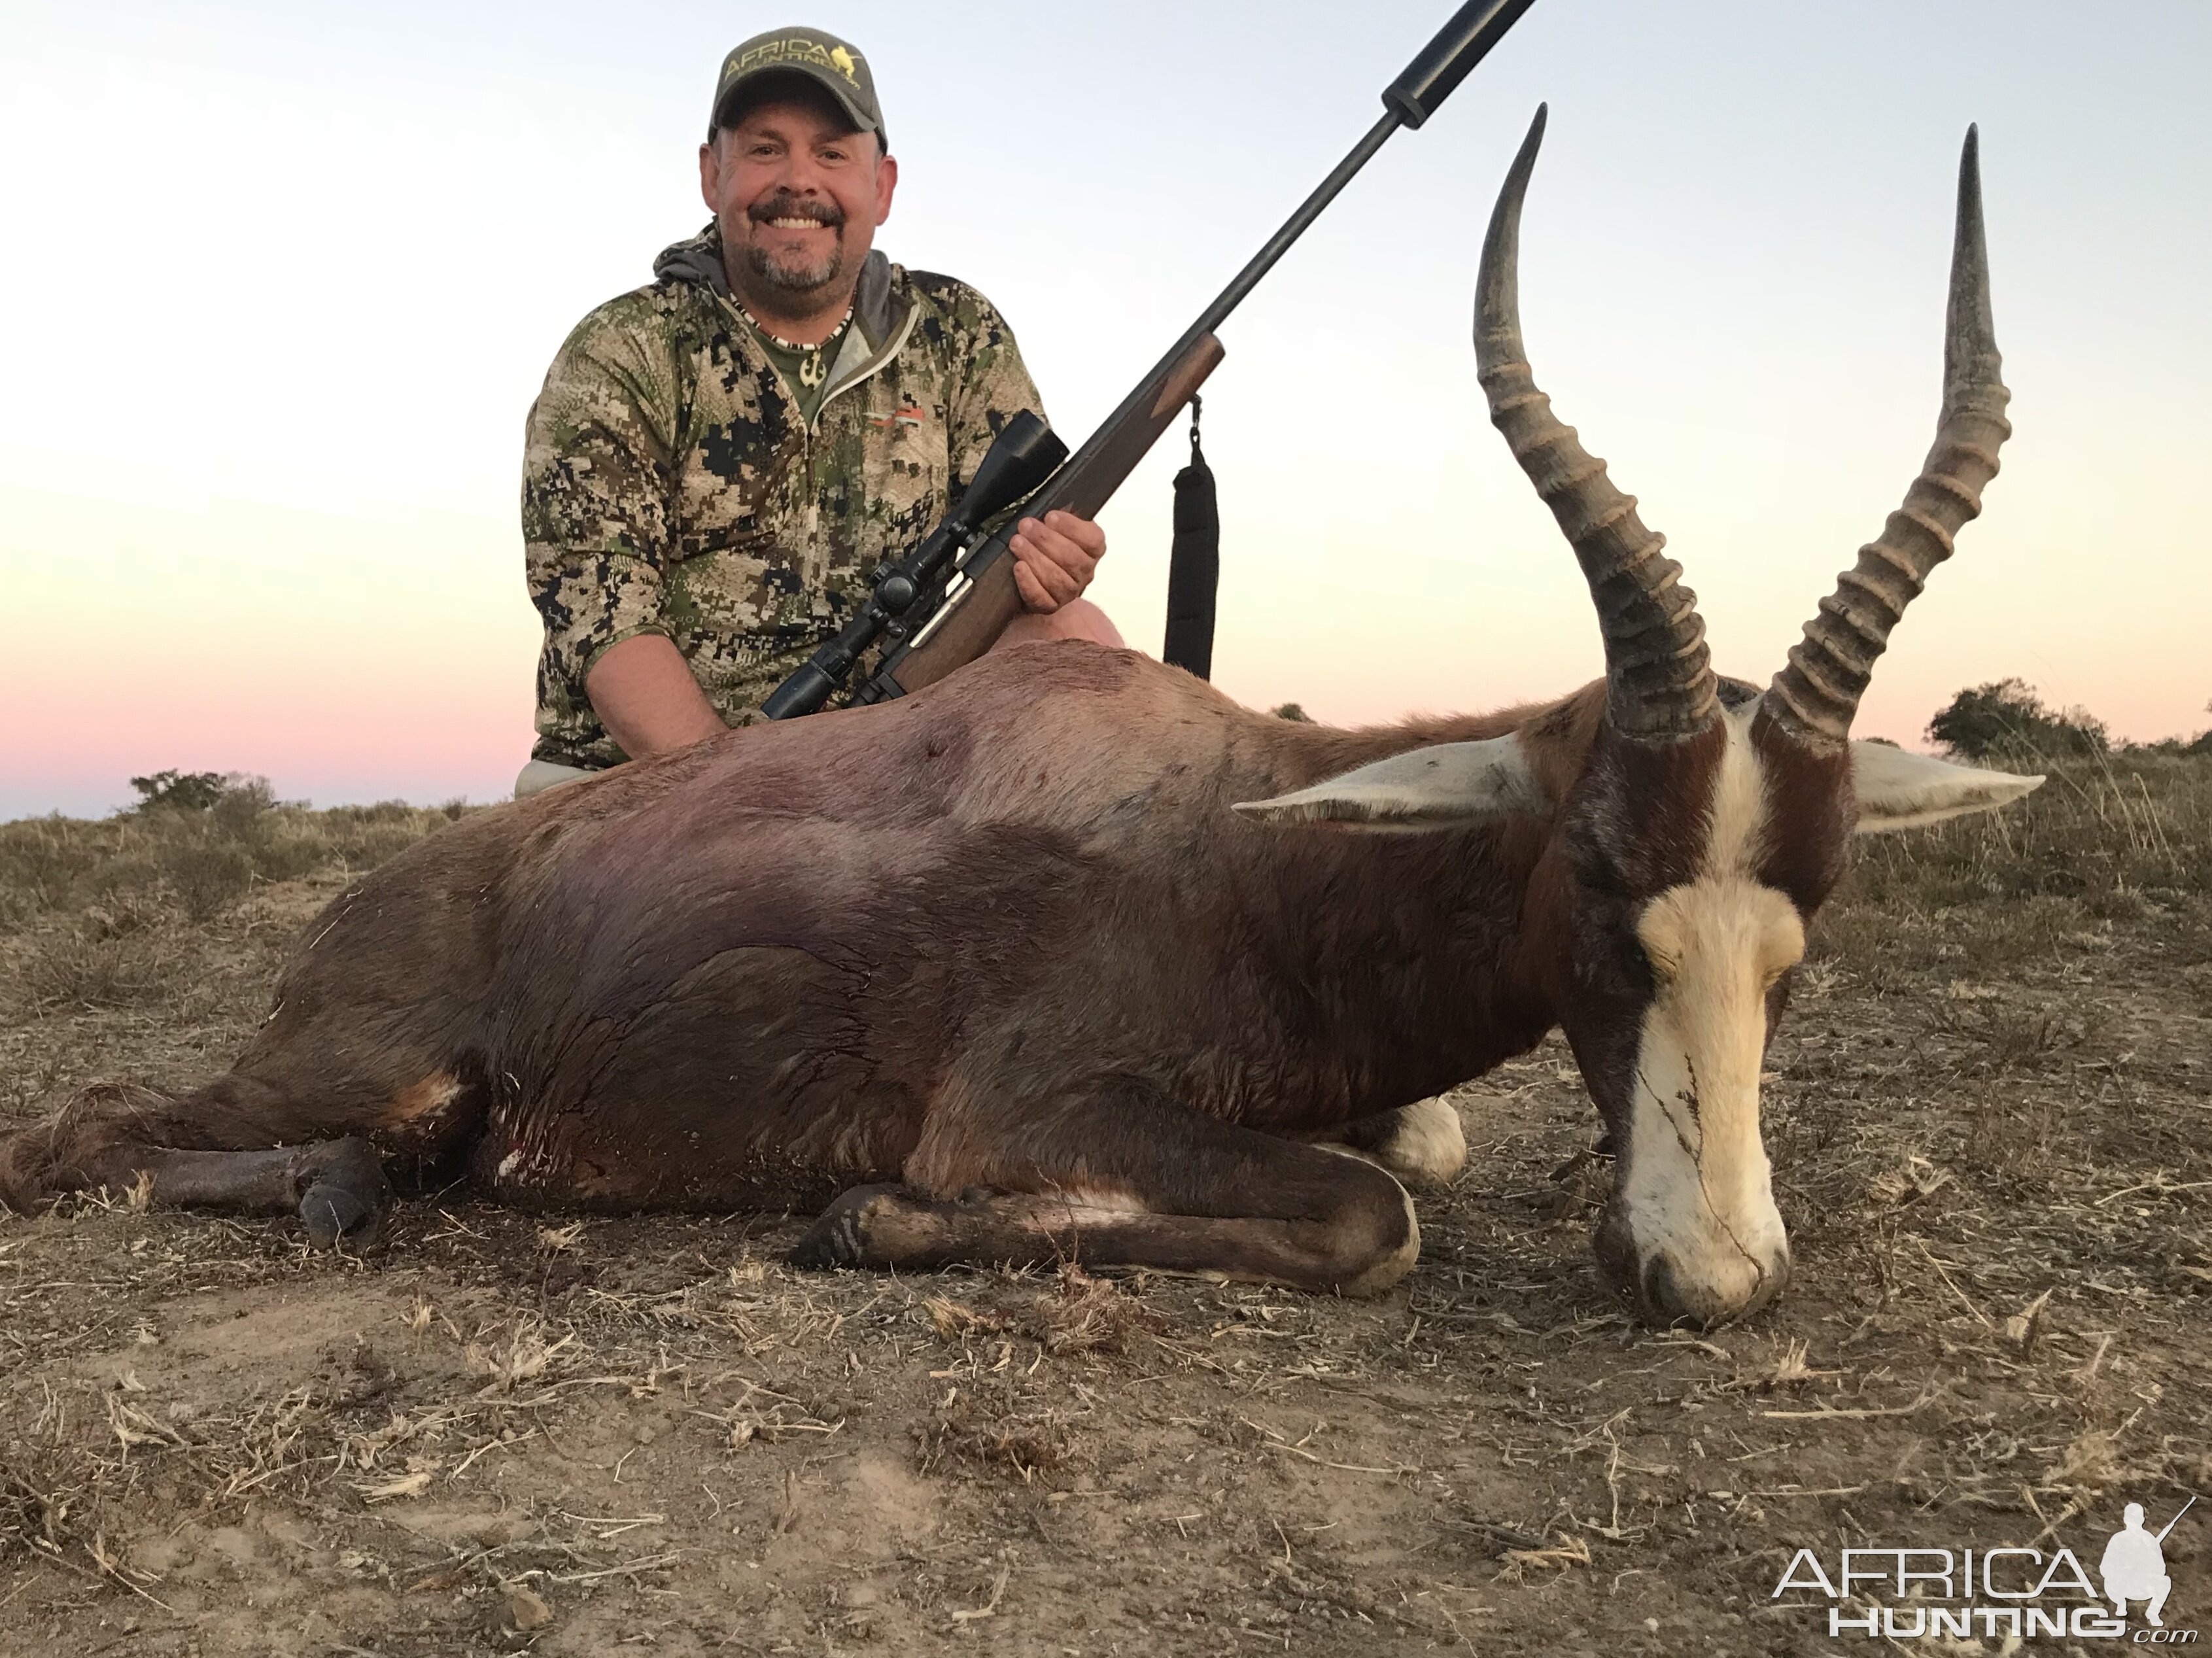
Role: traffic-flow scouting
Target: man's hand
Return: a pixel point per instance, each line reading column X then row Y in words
column 1054, row 559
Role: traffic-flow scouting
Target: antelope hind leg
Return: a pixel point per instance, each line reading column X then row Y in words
column 1128, row 1179
column 889, row 1226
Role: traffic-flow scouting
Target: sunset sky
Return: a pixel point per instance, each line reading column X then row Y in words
column 282, row 279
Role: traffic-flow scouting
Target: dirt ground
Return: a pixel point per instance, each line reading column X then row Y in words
column 1991, row 1119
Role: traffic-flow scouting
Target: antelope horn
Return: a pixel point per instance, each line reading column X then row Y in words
column 1817, row 690
column 1659, row 677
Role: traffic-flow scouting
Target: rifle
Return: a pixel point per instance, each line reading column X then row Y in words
column 2176, row 1520
column 944, row 604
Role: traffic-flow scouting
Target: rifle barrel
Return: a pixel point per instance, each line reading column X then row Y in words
column 2176, row 1520
column 1293, row 227
column 1423, row 85
column 1247, row 279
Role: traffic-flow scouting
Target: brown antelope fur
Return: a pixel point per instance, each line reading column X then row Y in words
column 1065, row 955
column 1005, row 934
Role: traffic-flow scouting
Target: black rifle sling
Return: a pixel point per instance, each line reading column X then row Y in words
column 1195, row 564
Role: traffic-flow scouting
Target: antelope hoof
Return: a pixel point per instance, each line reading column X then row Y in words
column 1427, row 1146
column 347, row 1198
column 338, row 1213
column 839, row 1236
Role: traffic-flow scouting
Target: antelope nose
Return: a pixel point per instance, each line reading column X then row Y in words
column 1674, row 1292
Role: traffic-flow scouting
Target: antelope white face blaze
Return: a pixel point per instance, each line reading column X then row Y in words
column 1694, row 1190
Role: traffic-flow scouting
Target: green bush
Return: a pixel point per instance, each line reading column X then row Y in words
column 2008, row 719
column 178, row 791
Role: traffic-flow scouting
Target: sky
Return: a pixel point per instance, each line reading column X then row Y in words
column 282, row 280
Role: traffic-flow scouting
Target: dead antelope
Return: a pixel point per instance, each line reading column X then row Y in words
column 996, row 972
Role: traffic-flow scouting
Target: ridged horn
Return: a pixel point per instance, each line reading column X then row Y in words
column 1817, row 690
column 1659, row 677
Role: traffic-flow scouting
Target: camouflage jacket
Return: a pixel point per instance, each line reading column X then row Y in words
column 671, row 486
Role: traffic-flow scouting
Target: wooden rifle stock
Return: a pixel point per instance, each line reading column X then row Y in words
column 976, row 612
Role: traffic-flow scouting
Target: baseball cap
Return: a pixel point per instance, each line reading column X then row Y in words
column 834, row 65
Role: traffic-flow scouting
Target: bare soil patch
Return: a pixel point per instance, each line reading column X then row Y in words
column 1991, row 1118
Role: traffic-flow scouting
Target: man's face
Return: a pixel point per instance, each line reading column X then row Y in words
column 799, row 195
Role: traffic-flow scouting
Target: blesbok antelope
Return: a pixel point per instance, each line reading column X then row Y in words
column 996, row 972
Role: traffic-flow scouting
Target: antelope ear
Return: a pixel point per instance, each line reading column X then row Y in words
column 1448, row 783
column 1898, row 790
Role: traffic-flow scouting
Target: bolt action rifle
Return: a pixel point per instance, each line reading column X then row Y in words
column 942, row 604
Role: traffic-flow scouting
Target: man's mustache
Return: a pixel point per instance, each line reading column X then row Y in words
column 785, row 205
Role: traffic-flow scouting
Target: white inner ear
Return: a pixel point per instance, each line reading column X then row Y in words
column 1897, row 790
column 1448, row 783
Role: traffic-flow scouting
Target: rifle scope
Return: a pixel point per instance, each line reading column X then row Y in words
column 1023, row 456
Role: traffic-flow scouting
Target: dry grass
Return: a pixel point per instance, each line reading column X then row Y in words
column 95, row 969
column 109, row 915
column 505, row 1431
column 200, row 863
column 2125, row 838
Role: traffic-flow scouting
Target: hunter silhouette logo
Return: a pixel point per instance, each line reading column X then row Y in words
column 2134, row 1566
column 842, row 61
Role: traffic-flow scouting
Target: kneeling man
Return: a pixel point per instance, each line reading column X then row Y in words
column 2134, row 1568
column 719, row 460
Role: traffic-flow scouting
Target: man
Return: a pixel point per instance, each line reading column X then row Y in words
column 2134, row 1568
column 719, row 460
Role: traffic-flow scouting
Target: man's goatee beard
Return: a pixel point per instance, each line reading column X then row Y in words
column 794, row 280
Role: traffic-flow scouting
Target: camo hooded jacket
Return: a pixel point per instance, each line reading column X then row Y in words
column 671, row 486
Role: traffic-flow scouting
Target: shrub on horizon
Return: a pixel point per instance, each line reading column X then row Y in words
column 2006, row 717
column 180, row 791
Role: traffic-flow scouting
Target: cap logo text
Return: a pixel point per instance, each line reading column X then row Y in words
column 799, row 50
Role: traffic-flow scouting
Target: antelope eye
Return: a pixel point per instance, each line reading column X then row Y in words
column 1657, row 961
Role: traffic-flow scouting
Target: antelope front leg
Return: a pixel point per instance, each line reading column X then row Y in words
column 337, row 1186
column 1123, row 1176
